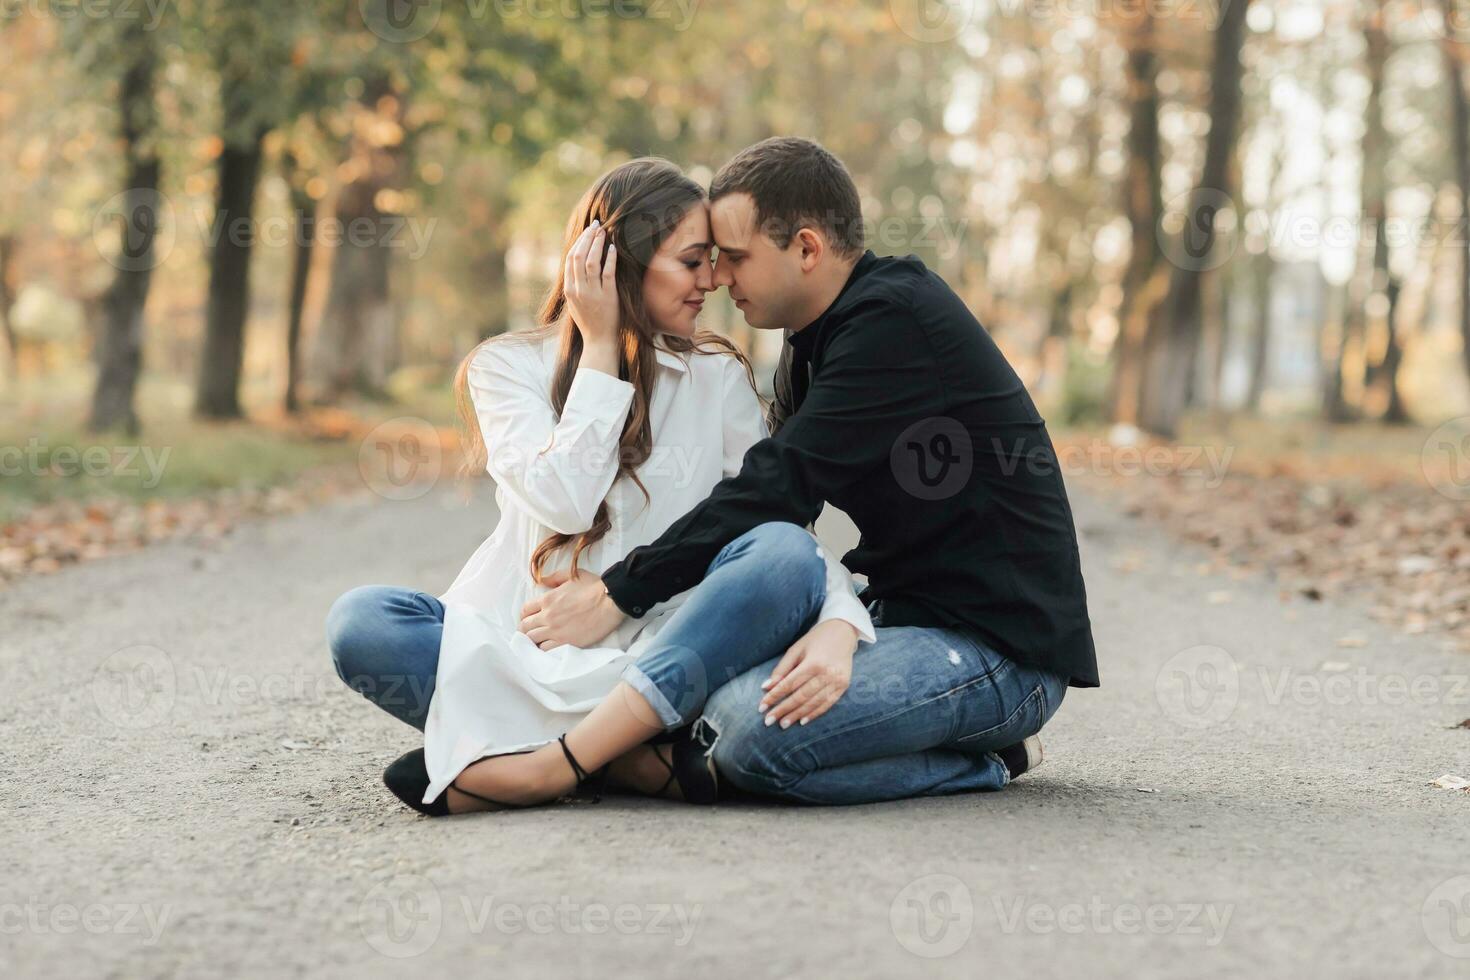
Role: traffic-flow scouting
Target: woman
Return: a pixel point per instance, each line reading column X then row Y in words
column 601, row 428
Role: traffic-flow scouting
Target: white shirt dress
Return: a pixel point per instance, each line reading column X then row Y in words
column 496, row 691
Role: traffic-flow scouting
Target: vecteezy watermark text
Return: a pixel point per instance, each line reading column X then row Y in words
column 36, row 458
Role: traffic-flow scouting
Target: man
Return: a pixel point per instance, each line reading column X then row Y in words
column 894, row 405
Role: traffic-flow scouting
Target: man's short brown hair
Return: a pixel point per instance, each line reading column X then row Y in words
column 795, row 183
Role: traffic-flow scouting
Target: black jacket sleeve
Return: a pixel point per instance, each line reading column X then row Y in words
column 877, row 376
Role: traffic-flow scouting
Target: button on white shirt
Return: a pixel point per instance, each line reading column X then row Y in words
column 495, row 690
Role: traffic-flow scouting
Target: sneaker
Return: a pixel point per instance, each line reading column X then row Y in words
column 1023, row 756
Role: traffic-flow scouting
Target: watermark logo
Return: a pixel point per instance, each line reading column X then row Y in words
column 932, row 916
column 96, row 918
column 1446, row 917
column 401, row 917
column 1445, row 459
column 44, row 460
column 682, row 689
column 401, row 459
column 1198, row 687
column 120, row 11
column 932, row 459
column 1198, row 230
column 932, row 21
column 135, row 230
column 1099, row 917
column 135, row 688
column 400, row 21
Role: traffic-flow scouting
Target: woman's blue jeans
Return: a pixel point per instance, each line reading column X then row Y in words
column 924, row 715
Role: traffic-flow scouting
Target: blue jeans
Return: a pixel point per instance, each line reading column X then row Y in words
column 923, row 716
column 385, row 646
column 925, row 713
column 762, row 591
column 759, row 595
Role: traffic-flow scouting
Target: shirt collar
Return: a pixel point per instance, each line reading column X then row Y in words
column 804, row 339
column 670, row 360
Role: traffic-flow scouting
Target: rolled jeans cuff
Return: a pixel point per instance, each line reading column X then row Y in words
column 644, row 685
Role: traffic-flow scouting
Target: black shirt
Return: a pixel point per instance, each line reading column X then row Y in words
column 896, row 406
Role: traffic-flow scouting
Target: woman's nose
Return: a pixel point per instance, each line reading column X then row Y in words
column 704, row 278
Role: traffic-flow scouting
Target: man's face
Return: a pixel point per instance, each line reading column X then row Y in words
column 764, row 280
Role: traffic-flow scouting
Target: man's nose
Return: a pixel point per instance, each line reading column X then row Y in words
column 723, row 275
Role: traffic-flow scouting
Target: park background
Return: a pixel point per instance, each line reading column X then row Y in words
column 244, row 246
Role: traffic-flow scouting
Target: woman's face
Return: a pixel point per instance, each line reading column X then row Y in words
column 679, row 275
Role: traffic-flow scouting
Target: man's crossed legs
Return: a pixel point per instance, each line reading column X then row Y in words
column 924, row 715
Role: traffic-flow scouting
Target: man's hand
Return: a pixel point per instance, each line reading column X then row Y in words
column 812, row 675
column 577, row 611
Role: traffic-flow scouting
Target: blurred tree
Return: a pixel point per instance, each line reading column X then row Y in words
column 1454, row 53
column 510, row 84
column 120, row 341
column 1171, row 349
column 1146, row 276
column 251, row 46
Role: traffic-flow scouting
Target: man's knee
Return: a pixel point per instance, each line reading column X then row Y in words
column 745, row 750
column 782, row 551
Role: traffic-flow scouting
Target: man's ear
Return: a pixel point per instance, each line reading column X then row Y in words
column 812, row 246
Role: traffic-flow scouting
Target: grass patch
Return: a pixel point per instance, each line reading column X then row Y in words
column 46, row 456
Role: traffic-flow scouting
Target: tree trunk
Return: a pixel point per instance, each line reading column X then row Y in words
column 120, row 340
column 1263, row 267
column 7, row 300
column 357, row 345
column 1395, row 412
column 1375, row 200
column 1221, row 340
column 1372, row 280
column 218, row 394
column 1460, row 155
column 1142, row 203
column 349, row 352
column 303, row 220
column 1170, row 361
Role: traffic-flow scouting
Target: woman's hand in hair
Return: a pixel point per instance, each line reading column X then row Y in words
column 812, row 675
column 590, row 283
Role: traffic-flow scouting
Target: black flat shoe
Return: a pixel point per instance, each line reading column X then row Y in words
column 688, row 765
column 408, row 779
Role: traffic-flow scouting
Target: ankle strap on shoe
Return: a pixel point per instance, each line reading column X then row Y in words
column 577, row 769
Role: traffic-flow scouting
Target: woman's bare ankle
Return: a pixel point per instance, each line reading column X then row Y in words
column 521, row 780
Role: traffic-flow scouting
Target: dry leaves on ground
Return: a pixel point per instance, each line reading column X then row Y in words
column 1375, row 536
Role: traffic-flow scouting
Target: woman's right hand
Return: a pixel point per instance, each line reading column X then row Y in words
column 589, row 281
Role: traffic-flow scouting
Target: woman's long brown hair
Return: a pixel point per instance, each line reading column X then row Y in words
column 639, row 203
